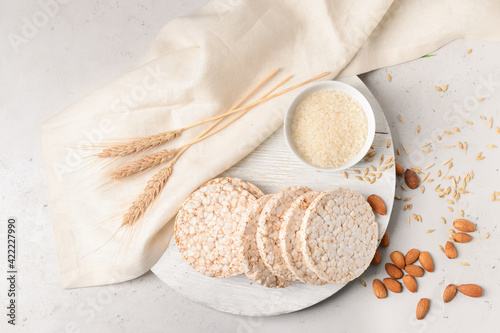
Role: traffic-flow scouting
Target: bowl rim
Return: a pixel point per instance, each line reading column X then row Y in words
column 331, row 85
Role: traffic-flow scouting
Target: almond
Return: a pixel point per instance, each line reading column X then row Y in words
column 471, row 290
column 385, row 240
column 410, row 283
column 450, row 250
column 464, row 225
column 411, row 179
column 379, row 289
column 460, row 237
column 411, row 256
column 376, row 258
column 449, row 293
column 398, row 259
column 399, row 170
column 377, row 204
column 414, row 270
column 393, row 271
column 422, row 308
column 426, row 261
column 392, row 285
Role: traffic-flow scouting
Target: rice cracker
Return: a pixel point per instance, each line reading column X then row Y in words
column 290, row 242
column 269, row 227
column 254, row 267
column 339, row 234
column 206, row 226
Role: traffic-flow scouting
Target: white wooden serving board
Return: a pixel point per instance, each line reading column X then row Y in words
column 273, row 167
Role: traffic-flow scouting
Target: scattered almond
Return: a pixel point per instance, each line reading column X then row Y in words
column 414, row 270
column 393, row 271
column 449, row 293
column 392, row 285
column 450, row 250
column 422, row 308
column 411, row 256
column 379, row 289
column 410, row 283
column 471, row 290
column 377, row 258
column 399, row 170
column 377, row 204
column 460, row 237
column 398, row 259
column 464, row 225
column 385, row 240
column 426, row 261
column 411, row 179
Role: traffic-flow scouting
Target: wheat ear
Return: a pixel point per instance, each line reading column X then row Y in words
column 138, row 145
column 144, row 163
column 148, row 196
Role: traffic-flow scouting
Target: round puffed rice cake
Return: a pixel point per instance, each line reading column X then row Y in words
column 339, row 234
column 255, row 269
column 206, row 225
column 290, row 242
column 269, row 227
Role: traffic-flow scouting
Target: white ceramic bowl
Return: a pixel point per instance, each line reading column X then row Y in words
column 331, row 85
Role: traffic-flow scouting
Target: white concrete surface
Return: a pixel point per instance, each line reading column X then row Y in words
column 88, row 43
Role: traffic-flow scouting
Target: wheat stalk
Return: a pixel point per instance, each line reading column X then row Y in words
column 139, row 145
column 148, row 196
column 144, row 163
column 146, row 143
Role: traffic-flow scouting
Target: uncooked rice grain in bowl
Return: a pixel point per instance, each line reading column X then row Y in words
column 330, row 126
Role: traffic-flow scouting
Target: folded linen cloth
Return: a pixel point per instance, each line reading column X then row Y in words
column 198, row 67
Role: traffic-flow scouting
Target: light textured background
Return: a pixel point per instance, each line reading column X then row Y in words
column 88, row 43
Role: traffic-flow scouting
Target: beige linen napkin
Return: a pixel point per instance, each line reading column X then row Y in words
column 197, row 67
